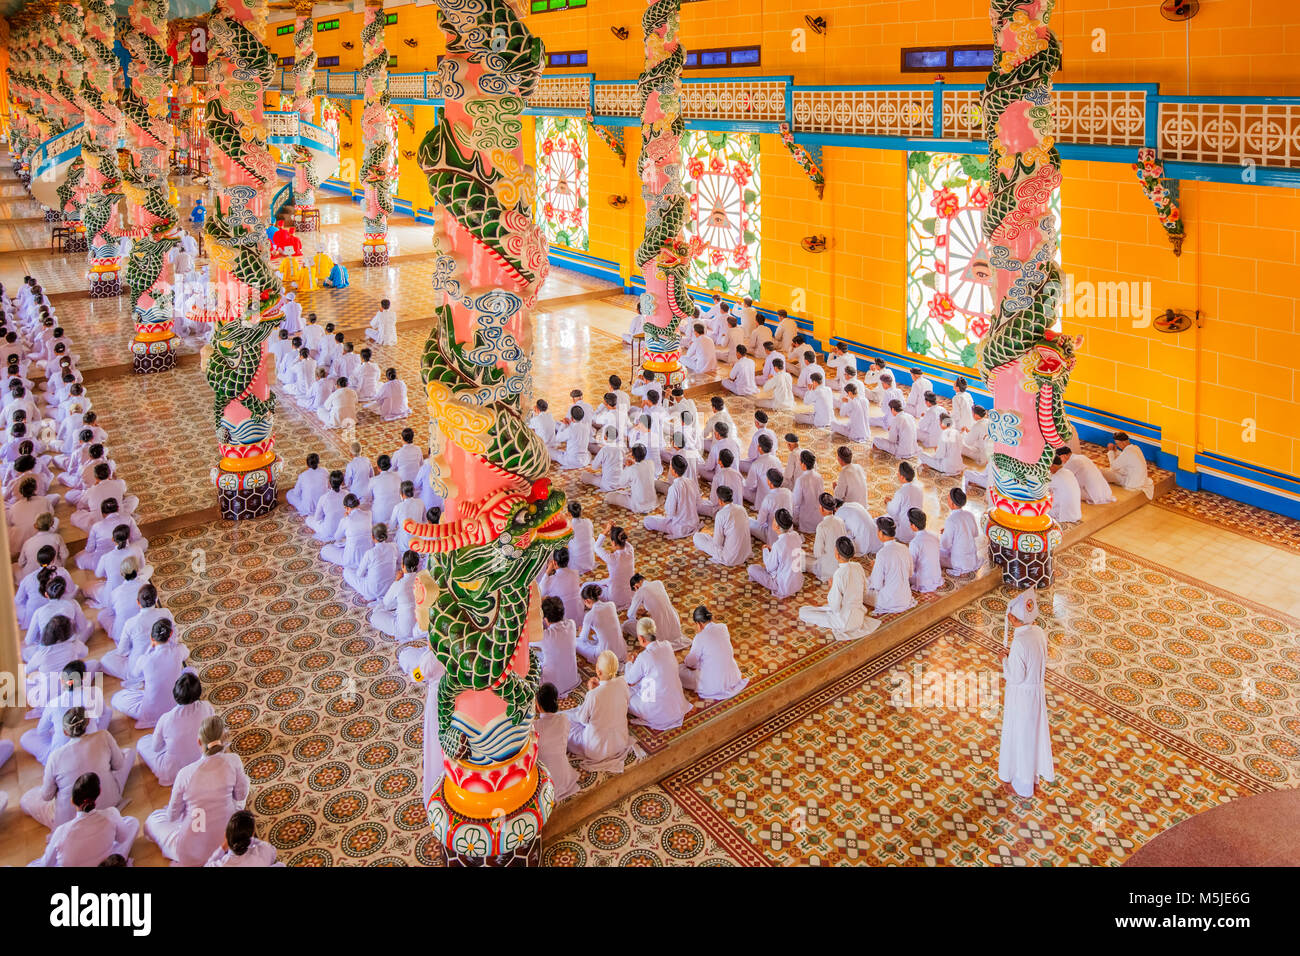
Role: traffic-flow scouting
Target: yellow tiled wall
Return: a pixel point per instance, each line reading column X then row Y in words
column 1230, row 388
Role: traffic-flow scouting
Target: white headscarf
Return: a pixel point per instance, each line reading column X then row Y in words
column 1025, row 607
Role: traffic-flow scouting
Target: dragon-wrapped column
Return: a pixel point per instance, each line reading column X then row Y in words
column 504, row 520
column 305, row 179
column 376, row 138
column 103, row 178
column 246, row 301
column 155, row 223
column 664, row 256
column 72, row 57
column 1025, row 363
column 47, row 80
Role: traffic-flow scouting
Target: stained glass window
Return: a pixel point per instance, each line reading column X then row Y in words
column 562, row 180
column 723, row 185
column 394, row 128
column 949, row 278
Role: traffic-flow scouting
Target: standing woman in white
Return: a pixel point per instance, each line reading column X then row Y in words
column 1025, row 753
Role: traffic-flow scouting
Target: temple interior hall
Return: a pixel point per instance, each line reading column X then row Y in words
column 607, row 433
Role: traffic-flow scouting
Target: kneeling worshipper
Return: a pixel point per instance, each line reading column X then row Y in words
column 1025, row 753
column 173, row 744
column 927, row 575
column 211, row 789
column 97, row 752
column 395, row 615
column 946, row 459
column 655, row 697
column 729, row 544
column 783, row 561
column 681, row 517
column 1067, row 506
column 375, row 573
column 650, row 599
column 1093, row 487
column 1128, row 467
column 382, row 329
column 961, row 546
column 600, row 628
column 146, row 694
column 558, row 647
column 599, row 736
column 710, row 669
column 390, row 401
column 241, row 847
column 845, row 613
column 553, row 728
column 889, row 590
column 829, row 530
column 339, row 410
column 93, row 835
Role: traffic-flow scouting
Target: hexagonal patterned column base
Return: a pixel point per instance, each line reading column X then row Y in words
column 105, row 288
column 246, row 502
column 1022, row 569
column 156, row 361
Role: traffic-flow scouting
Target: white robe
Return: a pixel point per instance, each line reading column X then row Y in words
column 778, row 392
column 961, row 546
column 390, row 400
column 822, row 415
column 947, row 458
column 926, row 572
column 975, row 443
column 782, row 569
column 339, row 410
column 890, row 588
column 559, row 657
column 851, row 485
column 383, row 328
column 901, row 440
column 844, row 614
column 601, row 632
column 702, row 356
column 1128, row 469
column 681, row 517
column 655, row 684
column 208, row 790
column 599, row 736
column 553, row 752
column 1066, row 500
column 962, row 414
column 710, row 668
column 808, row 489
column 856, row 425
column 729, row 544
column 1093, row 487
column 1025, row 753
column 652, row 597
column 829, row 530
column 741, row 380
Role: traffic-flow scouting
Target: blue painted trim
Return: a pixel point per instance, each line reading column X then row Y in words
column 733, row 126
column 616, row 121
column 1221, row 484
column 1289, row 484
column 336, row 186
column 1209, row 173
column 936, row 121
column 587, row 265
column 554, row 111
column 1231, row 100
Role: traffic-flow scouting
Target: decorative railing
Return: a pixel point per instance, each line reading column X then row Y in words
column 283, row 197
column 284, row 126
column 49, row 152
column 1232, row 130
column 1213, row 136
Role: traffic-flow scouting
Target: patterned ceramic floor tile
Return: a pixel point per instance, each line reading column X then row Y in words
column 1235, row 516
